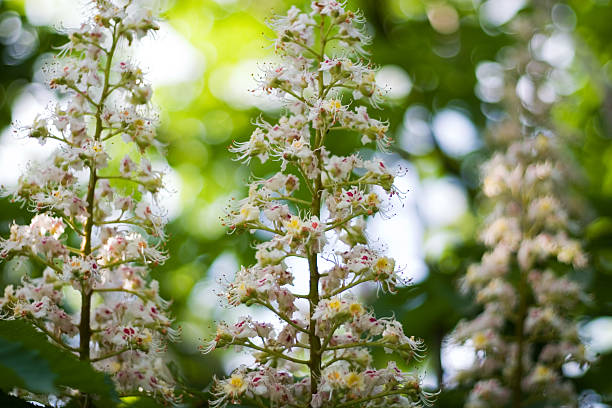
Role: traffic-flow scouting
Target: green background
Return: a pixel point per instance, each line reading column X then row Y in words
column 200, row 118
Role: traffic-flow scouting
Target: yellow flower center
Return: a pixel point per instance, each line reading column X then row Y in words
column 373, row 199
column 148, row 339
column 382, row 263
column 541, row 373
column 114, row 366
column 334, row 305
column 294, row 224
column 356, row 309
column 334, row 376
column 353, row 380
column 480, row 340
column 235, row 385
column 335, row 104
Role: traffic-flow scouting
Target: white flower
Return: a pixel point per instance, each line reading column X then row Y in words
column 312, row 201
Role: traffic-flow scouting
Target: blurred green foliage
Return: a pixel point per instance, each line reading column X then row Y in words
column 200, row 117
column 29, row 361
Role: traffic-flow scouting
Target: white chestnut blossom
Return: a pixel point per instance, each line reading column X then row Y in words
column 526, row 331
column 121, row 326
column 316, row 205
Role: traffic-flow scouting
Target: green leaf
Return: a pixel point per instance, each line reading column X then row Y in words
column 25, row 368
column 138, row 402
column 13, row 402
column 29, row 361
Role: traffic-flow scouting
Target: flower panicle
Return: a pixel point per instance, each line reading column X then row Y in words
column 315, row 206
column 524, row 279
column 81, row 190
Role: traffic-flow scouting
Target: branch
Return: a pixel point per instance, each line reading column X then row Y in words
column 73, row 226
column 262, row 227
column 329, row 336
column 360, row 181
column 43, row 261
column 56, row 339
column 365, row 344
column 110, row 135
column 279, row 314
column 252, row 345
column 373, row 397
column 307, row 48
column 335, row 359
column 113, row 264
column 296, row 96
column 61, row 139
column 346, row 287
column 306, row 180
column 83, row 94
column 129, row 221
column 345, row 220
column 113, row 354
column 131, row 292
column 293, row 199
column 122, row 178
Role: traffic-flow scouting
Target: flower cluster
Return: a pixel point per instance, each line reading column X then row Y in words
column 319, row 354
column 82, row 193
column 526, row 333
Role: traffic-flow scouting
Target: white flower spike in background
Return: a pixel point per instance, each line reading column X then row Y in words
column 526, row 333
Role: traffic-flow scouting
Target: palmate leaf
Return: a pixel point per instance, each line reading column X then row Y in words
column 29, row 361
column 13, row 402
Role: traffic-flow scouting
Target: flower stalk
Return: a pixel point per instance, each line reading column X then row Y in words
column 121, row 327
column 315, row 208
column 526, row 332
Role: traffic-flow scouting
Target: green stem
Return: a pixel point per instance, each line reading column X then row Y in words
column 121, row 178
column 294, row 200
column 520, row 338
column 313, row 52
column 373, row 397
column 344, row 221
column 83, row 94
column 61, row 139
column 296, row 96
column 71, row 224
column 306, row 181
column 363, row 344
column 346, row 287
column 43, row 261
column 263, row 228
column 86, row 291
column 113, row 354
column 131, row 292
column 276, row 354
column 130, row 221
column 282, row 316
column 329, row 337
column 56, row 339
column 313, row 294
column 113, row 264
